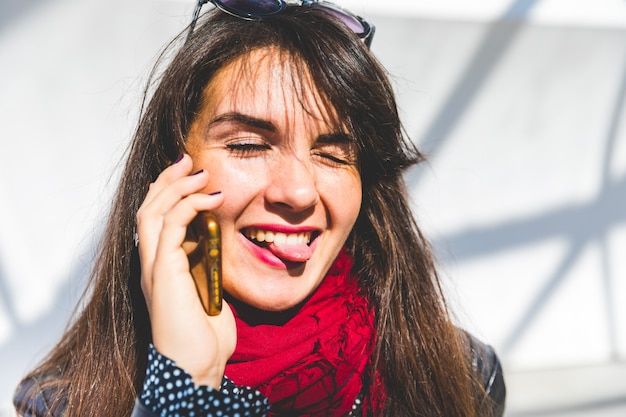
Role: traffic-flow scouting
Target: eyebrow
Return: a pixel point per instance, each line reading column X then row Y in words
column 335, row 138
column 244, row 119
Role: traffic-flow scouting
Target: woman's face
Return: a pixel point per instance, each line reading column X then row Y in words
column 291, row 188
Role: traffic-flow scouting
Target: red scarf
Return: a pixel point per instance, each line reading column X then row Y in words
column 312, row 361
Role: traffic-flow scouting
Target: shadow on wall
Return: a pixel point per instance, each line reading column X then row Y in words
column 607, row 210
column 11, row 10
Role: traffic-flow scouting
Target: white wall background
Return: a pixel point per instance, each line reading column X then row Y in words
column 519, row 105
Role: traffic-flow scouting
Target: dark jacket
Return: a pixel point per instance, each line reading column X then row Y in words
column 488, row 368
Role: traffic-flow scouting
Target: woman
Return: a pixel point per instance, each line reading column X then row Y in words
column 285, row 128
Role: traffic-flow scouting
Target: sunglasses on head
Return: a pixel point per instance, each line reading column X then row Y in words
column 258, row 9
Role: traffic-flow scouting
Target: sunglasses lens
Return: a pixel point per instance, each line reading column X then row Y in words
column 351, row 21
column 252, row 8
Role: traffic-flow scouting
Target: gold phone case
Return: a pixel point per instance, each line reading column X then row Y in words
column 203, row 247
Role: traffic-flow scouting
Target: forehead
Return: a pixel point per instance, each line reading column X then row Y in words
column 269, row 81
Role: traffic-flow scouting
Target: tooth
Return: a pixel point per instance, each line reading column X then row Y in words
column 293, row 239
column 280, row 239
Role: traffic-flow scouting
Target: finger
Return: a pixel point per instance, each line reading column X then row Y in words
column 163, row 200
column 178, row 169
column 150, row 214
column 177, row 219
column 169, row 258
column 181, row 168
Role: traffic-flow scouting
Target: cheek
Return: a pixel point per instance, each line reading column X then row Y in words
column 350, row 211
column 228, row 177
column 240, row 190
column 343, row 198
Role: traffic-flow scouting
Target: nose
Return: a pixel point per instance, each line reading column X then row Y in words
column 292, row 186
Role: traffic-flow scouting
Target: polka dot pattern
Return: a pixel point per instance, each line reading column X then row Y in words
column 169, row 391
column 357, row 406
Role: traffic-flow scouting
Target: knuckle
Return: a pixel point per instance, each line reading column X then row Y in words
column 140, row 215
column 168, row 219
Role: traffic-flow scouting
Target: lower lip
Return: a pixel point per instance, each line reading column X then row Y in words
column 267, row 257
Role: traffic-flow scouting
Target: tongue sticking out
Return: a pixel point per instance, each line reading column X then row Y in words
column 291, row 253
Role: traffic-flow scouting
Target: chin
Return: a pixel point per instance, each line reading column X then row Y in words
column 270, row 303
column 276, row 305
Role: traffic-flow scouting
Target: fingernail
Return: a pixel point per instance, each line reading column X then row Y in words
column 198, row 172
column 216, row 193
column 180, row 158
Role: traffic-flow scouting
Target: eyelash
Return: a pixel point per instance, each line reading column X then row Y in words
column 333, row 159
column 247, row 149
column 252, row 149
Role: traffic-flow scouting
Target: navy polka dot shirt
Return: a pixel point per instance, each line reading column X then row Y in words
column 170, row 391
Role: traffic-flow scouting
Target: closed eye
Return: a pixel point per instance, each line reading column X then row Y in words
column 243, row 149
column 336, row 149
column 333, row 158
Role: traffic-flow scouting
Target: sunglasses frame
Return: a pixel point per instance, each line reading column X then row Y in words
column 366, row 36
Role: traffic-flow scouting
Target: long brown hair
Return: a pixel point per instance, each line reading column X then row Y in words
column 98, row 366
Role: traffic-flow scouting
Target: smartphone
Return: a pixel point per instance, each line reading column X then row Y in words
column 204, row 250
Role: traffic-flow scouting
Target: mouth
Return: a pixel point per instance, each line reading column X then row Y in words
column 289, row 247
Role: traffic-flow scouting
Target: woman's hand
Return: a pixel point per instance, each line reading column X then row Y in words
column 181, row 329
